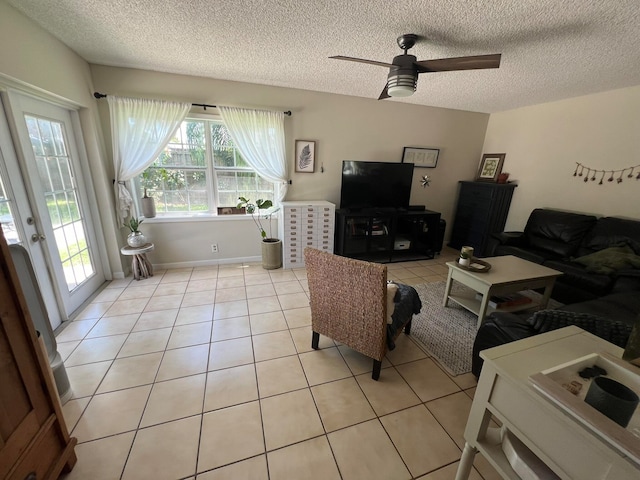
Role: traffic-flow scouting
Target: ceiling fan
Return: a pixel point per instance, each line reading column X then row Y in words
column 404, row 70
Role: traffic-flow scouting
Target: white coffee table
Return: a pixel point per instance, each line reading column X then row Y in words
column 508, row 274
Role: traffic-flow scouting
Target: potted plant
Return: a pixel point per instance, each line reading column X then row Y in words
column 464, row 259
column 135, row 239
column 271, row 247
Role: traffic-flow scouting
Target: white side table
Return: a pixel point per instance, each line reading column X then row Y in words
column 562, row 443
column 140, row 265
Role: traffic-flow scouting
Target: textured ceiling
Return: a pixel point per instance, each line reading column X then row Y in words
column 550, row 49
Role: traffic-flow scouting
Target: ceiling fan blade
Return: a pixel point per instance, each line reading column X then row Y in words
column 476, row 62
column 362, row 60
column 384, row 94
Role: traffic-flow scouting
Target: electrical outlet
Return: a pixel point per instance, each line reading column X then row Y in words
column 214, row 248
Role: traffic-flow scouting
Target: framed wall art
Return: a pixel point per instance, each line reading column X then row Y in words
column 490, row 167
column 305, row 156
column 231, row 211
column 421, row 157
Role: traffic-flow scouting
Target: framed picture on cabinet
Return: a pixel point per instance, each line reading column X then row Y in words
column 305, row 156
column 421, row 157
column 490, row 167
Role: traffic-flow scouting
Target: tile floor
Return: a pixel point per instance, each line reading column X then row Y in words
column 208, row 373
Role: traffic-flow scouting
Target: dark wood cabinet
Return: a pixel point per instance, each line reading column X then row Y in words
column 482, row 210
column 34, row 441
column 387, row 235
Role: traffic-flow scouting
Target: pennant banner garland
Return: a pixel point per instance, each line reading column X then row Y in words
column 594, row 174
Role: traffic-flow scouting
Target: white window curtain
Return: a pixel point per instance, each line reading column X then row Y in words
column 140, row 129
column 259, row 135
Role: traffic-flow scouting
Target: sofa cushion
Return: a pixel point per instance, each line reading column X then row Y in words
column 578, row 276
column 623, row 307
column 610, row 232
column 612, row 330
column 531, row 254
column 609, row 260
column 497, row 329
column 557, row 232
column 626, row 280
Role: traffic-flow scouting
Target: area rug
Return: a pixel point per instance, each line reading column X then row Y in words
column 445, row 333
column 448, row 333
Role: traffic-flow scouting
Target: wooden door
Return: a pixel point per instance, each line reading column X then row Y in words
column 33, row 436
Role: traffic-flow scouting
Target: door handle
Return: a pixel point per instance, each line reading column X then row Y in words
column 37, row 237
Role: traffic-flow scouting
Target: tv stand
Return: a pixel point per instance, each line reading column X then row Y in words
column 388, row 234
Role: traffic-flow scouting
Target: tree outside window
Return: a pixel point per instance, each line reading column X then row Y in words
column 199, row 170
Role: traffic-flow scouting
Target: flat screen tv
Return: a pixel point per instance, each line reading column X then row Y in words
column 375, row 185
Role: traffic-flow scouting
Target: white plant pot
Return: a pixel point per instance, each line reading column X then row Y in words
column 148, row 207
column 464, row 261
column 136, row 239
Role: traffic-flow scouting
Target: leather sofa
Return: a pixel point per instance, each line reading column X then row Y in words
column 611, row 317
column 603, row 301
column 565, row 241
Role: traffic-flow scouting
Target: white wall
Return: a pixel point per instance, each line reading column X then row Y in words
column 345, row 128
column 543, row 143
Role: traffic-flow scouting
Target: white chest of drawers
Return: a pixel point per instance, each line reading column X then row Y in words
column 305, row 224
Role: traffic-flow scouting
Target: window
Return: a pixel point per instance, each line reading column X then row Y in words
column 7, row 218
column 199, row 170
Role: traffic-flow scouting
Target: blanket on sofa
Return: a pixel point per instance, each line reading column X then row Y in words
column 407, row 305
column 610, row 260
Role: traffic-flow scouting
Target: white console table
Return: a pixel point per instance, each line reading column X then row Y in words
column 504, row 391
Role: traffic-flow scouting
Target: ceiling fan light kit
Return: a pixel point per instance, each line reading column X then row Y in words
column 403, row 72
column 399, row 85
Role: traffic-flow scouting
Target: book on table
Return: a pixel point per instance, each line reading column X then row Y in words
column 505, row 301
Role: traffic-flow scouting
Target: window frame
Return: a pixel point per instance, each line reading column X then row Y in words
column 213, row 194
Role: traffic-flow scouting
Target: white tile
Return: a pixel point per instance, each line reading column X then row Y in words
column 174, row 399
column 230, row 386
column 75, row 330
column 102, row 459
column 365, row 452
column 113, row 325
column 131, row 372
column 230, row 435
column 96, row 350
column 182, row 362
column 111, row 413
column 290, row 418
column 230, row 353
column 164, row 452
column 195, row 314
column 84, row 379
column 148, row 341
column 192, row 334
column 153, row 320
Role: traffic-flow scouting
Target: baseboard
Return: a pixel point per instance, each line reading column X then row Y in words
column 207, row 263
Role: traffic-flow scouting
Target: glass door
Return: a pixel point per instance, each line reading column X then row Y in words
column 57, row 215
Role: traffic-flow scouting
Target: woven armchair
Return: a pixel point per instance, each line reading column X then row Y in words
column 349, row 304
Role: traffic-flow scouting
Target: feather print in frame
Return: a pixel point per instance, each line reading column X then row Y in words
column 305, row 156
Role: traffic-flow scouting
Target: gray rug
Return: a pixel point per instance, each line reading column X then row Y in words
column 448, row 333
